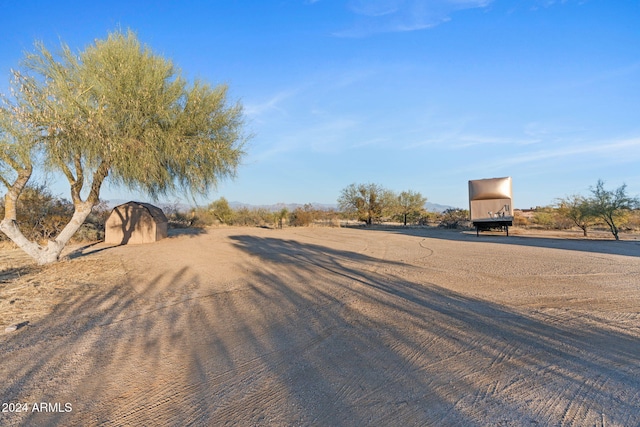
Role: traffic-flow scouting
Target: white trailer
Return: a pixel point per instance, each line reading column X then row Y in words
column 491, row 204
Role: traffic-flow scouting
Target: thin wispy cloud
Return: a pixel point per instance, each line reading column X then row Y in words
column 620, row 151
column 273, row 104
column 386, row 16
column 322, row 136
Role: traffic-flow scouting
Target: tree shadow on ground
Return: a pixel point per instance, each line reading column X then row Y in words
column 314, row 335
column 613, row 247
column 96, row 247
column 191, row 231
column 90, row 248
column 9, row 274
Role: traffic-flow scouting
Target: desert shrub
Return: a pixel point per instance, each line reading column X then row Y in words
column 221, row 211
column 430, row 218
column 329, row 217
column 177, row 217
column 520, row 220
column 93, row 228
column 543, row 218
column 303, row 217
column 179, row 220
column 41, row 215
column 258, row 217
column 326, row 217
column 88, row 233
column 633, row 221
column 202, row 217
column 454, row 218
column 550, row 218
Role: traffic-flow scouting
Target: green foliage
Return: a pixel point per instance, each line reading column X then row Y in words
column 633, row 220
column 222, row 211
column 17, row 144
column 42, row 215
column 363, row 201
column 280, row 217
column 545, row 217
column 367, row 202
column 259, row 217
column 612, row 206
column 578, row 211
column 115, row 111
column 118, row 105
column 410, row 206
column 454, row 217
column 92, row 230
column 429, row 218
column 550, row 218
column 219, row 212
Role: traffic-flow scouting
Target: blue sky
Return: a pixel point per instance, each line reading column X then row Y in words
column 410, row 94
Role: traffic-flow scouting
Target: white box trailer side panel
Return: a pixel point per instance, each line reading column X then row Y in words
column 490, row 199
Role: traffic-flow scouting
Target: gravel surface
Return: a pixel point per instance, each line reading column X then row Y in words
column 326, row 327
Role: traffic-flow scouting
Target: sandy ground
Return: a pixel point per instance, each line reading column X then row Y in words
column 325, row 327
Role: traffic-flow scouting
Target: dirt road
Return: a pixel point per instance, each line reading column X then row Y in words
column 331, row 327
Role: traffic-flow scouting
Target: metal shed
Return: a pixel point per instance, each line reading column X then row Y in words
column 135, row 222
column 491, row 203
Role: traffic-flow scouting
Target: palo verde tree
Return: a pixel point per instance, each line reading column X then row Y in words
column 611, row 205
column 113, row 111
column 577, row 209
column 368, row 202
column 410, row 205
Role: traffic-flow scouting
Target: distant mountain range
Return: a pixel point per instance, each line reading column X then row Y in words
column 431, row 207
column 435, row 207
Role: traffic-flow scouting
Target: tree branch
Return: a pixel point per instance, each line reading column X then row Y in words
column 13, row 192
column 98, row 178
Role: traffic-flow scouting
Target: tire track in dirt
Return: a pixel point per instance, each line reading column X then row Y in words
column 576, row 409
column 240, row 377
column 134, row 406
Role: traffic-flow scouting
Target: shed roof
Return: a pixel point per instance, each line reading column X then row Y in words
column 155, row 212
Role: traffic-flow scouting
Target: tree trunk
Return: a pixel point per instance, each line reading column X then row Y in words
column 612, row 225
column 51, row 252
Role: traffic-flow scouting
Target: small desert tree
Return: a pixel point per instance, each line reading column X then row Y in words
column 611, row 205
column 222, row 211
column 410, row 205
column 113, row 111
column 368, row 202
column 576, row 208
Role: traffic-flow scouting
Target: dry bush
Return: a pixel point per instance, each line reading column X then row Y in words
column 520, row 220
column 549, row 218
column 455, row 218
column 303, row 217
column 40, row 215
